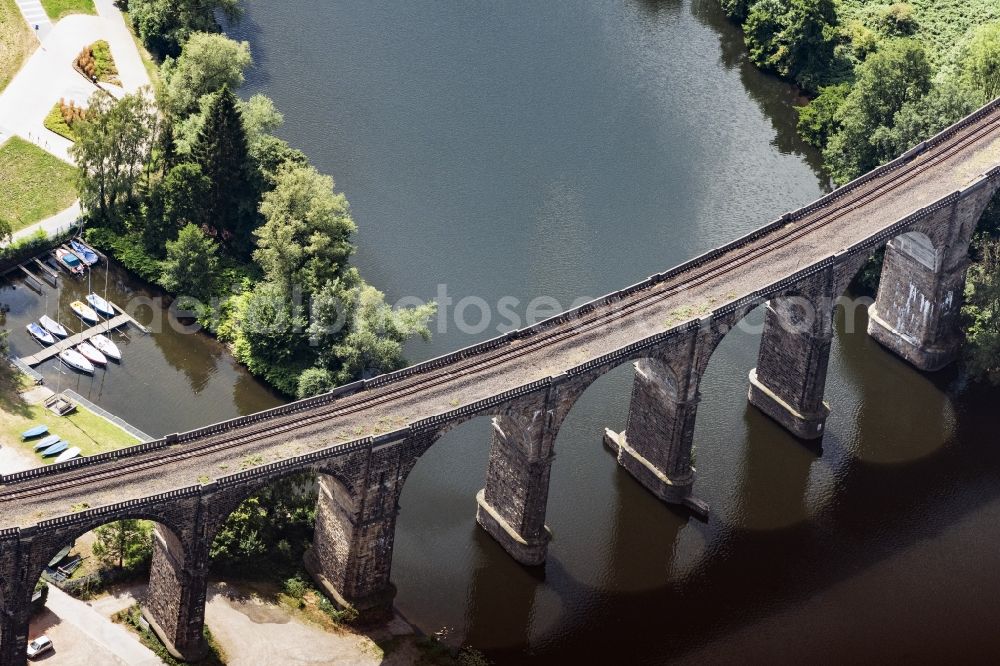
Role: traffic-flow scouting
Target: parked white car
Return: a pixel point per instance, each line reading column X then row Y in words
column 39, row 646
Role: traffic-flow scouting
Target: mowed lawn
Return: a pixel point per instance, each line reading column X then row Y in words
column 84, row 429
column 56, row 9
column 35, row 184
column 17, row 41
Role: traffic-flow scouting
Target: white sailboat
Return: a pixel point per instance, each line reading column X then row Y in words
column 52, row 326
column 76, row 360
column 92, row 353
column 106, row 346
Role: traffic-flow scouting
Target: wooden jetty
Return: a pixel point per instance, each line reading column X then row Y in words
column 31, row 280
column 46, row 270
column 51, row 351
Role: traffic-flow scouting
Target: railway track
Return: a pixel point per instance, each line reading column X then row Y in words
column 352, row 404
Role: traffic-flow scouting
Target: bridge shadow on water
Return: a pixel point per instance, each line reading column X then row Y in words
column 825, row 557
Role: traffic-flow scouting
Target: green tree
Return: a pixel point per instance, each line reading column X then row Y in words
column 164, row 25
column 124, row 543
column 222, row 153
column 374, row 342
column 736, row 10
column 818, row 119
column 207, row 64
column 174, row 201
column 795, row 38
column 305, row 240
column 982, row 314
column 314, row 381
column 191, row 264
column 922, row 118
column 113, row 146
column 898, row 20
column 890, row 78
column 980, row 63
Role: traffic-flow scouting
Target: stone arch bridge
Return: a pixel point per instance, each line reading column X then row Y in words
column 362, row 440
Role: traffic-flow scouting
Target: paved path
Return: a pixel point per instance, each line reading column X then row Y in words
column 36, row 17
column 58, row 223
column 118, row 645
column 48, row 76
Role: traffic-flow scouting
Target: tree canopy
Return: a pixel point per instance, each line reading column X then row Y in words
column 794, row 38
column 165, row 25
column 208, row 63
column 223, row 155
column 980, row 63
column 306, row 237
column 114, row 143
column 897, row 74
column 191, row 264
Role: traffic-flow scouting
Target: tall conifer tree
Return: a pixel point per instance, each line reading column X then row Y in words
column 221, row 151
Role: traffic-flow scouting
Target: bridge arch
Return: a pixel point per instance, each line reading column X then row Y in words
column 174, row 601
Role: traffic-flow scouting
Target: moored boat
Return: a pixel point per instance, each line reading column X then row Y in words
column 40, row 334
column 92, row 353
column 52, row 326
column 58, row 447
column 70, row 261
column 88, row 256
column 68, row 454
column 75, row 359
column 107, row 347
column 101, row 305
column 84, row 311
column 47, row 442
column 34, row 431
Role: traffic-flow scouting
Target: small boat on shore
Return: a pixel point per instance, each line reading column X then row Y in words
column 88, row 256
column 52, row 326
column 40, row 334
column 101, row 305
column 92, row 353
column 47, row 442
column 34, row 431
column 75, row 359
column 84, row 311
column 68, row 454
column 56, row 448
column 70, row 261
column 108, row 348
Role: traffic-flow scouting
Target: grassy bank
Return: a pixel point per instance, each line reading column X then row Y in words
column 17, row 41
column 56, row 9
column 36, row 185
column 92, row 433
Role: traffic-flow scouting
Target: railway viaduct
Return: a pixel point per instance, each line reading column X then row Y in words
column 362, row 440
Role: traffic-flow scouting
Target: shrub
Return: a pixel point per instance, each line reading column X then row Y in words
column 897, row 20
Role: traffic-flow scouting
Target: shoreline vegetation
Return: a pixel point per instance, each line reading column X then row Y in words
column 248, row 237
column 881, row 77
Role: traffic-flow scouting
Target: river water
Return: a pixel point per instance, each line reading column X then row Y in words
column 544, row 152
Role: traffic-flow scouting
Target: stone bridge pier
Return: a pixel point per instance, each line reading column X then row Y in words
column 175, row 601
column 356, row 511
column 511, row 507
column 916, row 313
column 790, row 378
column 656, row 444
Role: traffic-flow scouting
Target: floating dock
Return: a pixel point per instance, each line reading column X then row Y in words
column 122, row 319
